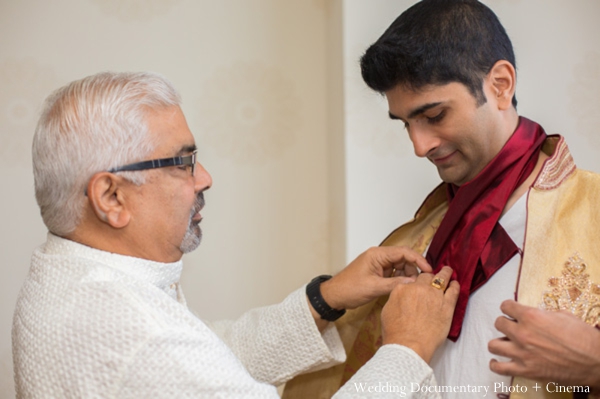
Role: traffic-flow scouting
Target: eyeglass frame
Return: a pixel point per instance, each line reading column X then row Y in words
column 159, row 163
column 155, row 164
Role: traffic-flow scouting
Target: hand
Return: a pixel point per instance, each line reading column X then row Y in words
column 419, row 315
column 370, row 276
column 546, row 346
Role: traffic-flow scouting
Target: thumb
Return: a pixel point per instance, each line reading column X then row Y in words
column 452, row 293
column 389, row 283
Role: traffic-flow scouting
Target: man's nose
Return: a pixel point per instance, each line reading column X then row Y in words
column 202, row 177
column 423, row 140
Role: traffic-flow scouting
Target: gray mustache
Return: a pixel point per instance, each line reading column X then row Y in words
column 199, row 203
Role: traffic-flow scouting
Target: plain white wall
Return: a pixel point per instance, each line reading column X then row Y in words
column 253, row 77
column 558, row 66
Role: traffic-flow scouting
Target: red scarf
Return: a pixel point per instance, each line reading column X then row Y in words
column 470, row 239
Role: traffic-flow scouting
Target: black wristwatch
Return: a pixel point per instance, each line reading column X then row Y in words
column 313, row 291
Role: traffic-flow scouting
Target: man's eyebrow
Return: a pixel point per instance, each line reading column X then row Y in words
column 417, row 111
column 422, row 109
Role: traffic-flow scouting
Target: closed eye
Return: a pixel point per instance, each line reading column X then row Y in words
column 436, row 119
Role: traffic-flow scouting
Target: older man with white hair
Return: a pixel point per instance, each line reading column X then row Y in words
column 102, row 313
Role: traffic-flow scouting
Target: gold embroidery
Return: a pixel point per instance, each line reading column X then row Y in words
column 558, row 167
column 574, row 292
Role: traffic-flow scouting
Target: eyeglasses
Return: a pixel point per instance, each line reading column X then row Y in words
column 188, row 160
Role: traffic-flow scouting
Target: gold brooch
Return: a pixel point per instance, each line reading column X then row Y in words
column 574, row 292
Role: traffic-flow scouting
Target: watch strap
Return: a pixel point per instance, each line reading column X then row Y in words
column 313, row 291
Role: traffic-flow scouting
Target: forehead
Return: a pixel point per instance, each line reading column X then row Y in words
column 403, row 100
column 169, row 131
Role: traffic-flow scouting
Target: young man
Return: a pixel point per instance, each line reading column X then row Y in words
column 513, row 217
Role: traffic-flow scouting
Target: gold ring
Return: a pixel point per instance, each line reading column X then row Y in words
column 438, row 283
column 393, row 272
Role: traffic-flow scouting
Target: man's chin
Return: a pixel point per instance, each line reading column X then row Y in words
column 452, row 177
column 191, row 240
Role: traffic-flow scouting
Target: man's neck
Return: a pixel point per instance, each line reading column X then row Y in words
column 117, row 242
column 524, row 187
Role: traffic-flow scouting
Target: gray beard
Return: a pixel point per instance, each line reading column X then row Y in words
column 191, row 239
column 193, row 236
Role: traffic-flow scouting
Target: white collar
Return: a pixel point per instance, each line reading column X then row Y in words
column 162, row 275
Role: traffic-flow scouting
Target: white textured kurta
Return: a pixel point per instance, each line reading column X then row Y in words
column 94, row 324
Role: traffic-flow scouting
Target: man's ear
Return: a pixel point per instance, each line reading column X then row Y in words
column 502, row 82
column 107, row 200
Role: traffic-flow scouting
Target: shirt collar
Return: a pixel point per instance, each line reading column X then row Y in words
column 162, row 275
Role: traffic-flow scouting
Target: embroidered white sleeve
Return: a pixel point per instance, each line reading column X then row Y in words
column 277, row 342
column 394, row 371
column 189, row 366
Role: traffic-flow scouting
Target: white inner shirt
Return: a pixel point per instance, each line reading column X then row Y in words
column 466, row 362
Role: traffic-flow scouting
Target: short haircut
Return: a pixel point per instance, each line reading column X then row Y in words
column 436, row 42
column 88, row 126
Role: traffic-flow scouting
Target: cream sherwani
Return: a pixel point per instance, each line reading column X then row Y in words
column 91, row 324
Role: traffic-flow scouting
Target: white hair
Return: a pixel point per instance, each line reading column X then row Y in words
column 88, row 126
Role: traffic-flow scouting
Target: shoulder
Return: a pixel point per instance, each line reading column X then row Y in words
column 557, row 167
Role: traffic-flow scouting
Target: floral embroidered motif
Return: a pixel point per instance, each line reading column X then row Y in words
column 574, row 292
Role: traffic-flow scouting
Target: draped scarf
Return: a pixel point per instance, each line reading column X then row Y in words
column 470, row 239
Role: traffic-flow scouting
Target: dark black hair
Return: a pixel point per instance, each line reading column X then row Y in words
column 438, row 42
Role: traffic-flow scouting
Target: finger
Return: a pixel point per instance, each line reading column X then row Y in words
column 504, row 347
column 402, row 280
column 509, row 368
column 394, row 255
column 452, row 293
column 411, row 271
column 390, row 272
column 398, row 269
column 512, row 309
column 425, row 278
column 444, row 275
column 390, row 283
column 451, row 298
column 506, row 326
